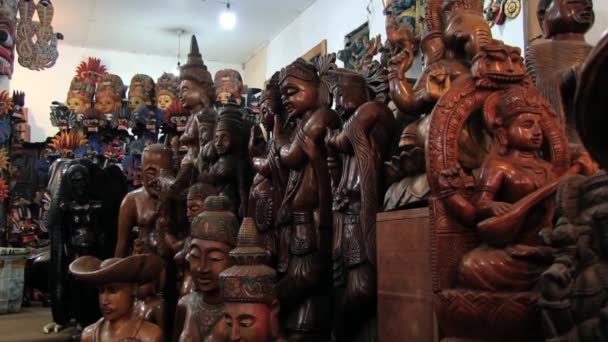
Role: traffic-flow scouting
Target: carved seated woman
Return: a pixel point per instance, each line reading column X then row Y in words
column 117, row 280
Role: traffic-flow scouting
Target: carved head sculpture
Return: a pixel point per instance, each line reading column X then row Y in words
column 498, row 65
column 305, row 86
column 167, row 90
column 176, row 116
column 206, row 127
column 214, row 233
column 196, row 86
column 565, row 16
column 197, row 194
column 109, row 94
column 229, row 130
column 117, row 280
column 8, row 23
column 228, row 84
column 270, row 102
column 79, row 179
column 350, row 91
column 513, row 116
column 80, row 95
column 154, row 159
column 91, row 70
column 250, row 305
column 141, row 92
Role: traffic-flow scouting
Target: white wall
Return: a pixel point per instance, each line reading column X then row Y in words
column 514, row 32
column 254, row 69
column 43, row 87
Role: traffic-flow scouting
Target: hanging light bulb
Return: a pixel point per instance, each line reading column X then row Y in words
column 227, row 18
column 179, row 48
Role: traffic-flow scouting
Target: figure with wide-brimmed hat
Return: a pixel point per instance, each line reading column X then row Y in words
column 118, row 280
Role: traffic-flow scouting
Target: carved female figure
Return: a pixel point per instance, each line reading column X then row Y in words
column 117, row 280
column 213, row 234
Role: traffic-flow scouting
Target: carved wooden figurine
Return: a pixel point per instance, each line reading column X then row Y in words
column 196, row 95
column 492, row 270
column 304, row 264
column 141, row 92
column 80, row 96
column 139, row 208
column 251, row 309
column 270, row 181
column 362, row 145
column 167, row 91
column 551, row 61
column 228, row 87
column 574, row 287
column 213, row 234
column 117, row 280
column 108, row 95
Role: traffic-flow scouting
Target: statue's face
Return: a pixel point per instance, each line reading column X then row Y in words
column 467, row 31
column 268, row 109
column 78, row 184
column 562, row 16
column 349, row 95
column 76, row 105
column 222, row 97
column 151, row 166
column 164, row 102
column 250, row 322
column 205, row 130
column 298, row 96
column 502, row 65
column 222, row 142
column 207, row 259
column 190, row 94
column 115, row 300
column 194, row 206
column 136, row 103
column 105, row 104
column 524, row 132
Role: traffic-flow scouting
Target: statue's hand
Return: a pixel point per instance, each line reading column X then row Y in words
column 437, row 83
column 588, row 166
column 501, row 208
column 556, row 282
column 400, row 63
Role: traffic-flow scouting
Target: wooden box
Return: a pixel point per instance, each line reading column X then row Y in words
column 405, row 296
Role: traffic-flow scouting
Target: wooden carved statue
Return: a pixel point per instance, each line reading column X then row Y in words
column 141, row 92
column 362, row 145
column 250, row 315
column 197, row 194
column 489, row 226
column 117, row 280
column 81, row 221
column 551, row 61
column 140, row 207
column 36, row 40
column 108, row 95
column 270, row 181
column 213, row 235
column 196, row 95
column 304, row 264
column 230, row 172
column 167, row 91
column 574, row 288
column 228, row 87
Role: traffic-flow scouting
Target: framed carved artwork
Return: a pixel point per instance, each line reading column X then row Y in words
column 354, row 46
column 316, row 51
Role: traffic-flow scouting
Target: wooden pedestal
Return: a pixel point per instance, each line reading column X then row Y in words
column 405, row 307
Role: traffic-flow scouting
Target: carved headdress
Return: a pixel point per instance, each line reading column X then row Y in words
column 91, row 70
column 195, row 69
column 315, row 73
column 110, row 85
column 250, row 280
column 167, row 84
column 271, row 89
column 217, row 222
column 80, row 88
column 228, row 81
column 506, row 104
column 230, row 118
column 142, row 86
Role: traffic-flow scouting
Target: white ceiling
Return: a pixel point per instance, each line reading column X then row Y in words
column 150, row 26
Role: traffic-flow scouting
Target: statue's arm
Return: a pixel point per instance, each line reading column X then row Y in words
column 127, row 218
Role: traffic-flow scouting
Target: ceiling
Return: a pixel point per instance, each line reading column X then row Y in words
column 150, row 26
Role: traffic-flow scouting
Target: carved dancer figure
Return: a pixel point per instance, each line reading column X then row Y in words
column 304, row 264
column 117, row 280
column 362, row 145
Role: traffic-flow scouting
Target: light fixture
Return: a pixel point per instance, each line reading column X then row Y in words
column 179, row 49
column 227, row 18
